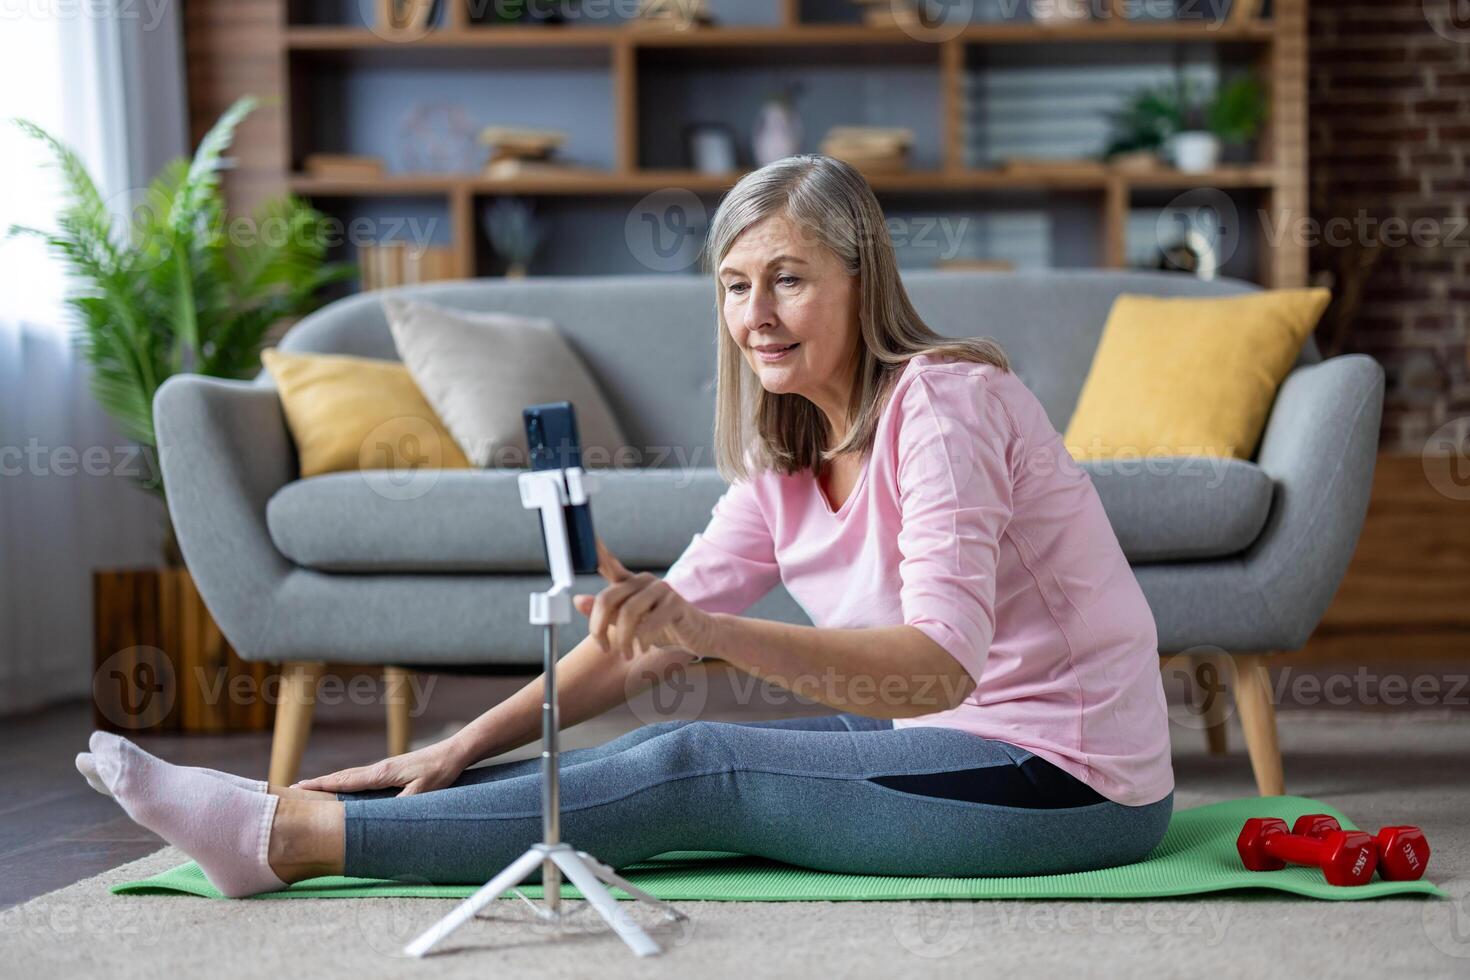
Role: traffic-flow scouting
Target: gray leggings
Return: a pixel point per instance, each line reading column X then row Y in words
column 841, row 793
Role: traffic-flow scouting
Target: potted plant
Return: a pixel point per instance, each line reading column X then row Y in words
column 179, row 289
column 1235, row 116
column 1193, row 148
column 1183, row 123
column 1142, row 126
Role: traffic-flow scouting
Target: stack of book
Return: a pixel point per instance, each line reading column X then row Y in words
column 519, row 152
column 671, row 15
column 871, row 149
column 400, row 263
column 887, row 13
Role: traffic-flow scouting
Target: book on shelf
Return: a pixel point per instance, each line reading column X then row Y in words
column 519, row 141
column 873, row 149
column 398, row 263
column 343, row 166
column 509, row 168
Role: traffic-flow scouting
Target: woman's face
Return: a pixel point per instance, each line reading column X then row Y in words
column 792, row 309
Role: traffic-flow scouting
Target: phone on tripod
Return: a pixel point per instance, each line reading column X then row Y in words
column 551, row 436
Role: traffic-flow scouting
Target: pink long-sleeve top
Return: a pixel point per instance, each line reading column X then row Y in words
column 970, row 522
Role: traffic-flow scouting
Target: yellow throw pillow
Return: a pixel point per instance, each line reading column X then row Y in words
column 1189, row 376
column 358, row 413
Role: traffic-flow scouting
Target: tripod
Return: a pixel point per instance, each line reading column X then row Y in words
column 549, row 491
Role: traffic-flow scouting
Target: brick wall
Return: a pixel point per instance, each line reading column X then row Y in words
column 1389, row 120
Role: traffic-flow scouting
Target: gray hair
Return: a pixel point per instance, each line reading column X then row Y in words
column 832, row 202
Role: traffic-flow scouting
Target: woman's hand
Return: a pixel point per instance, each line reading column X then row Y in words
column 431, row 767
column 640, row 613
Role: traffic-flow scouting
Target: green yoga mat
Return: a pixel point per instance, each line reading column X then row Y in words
column 1197, row 855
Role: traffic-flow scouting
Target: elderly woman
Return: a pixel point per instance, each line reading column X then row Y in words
column 992, row 660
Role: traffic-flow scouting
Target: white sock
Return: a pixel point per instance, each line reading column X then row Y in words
column 226, row 829
column 87, row 766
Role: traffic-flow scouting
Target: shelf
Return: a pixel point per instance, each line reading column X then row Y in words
column 645, row 181
column 331, row 38
column 1257, row 31
column 656, row 80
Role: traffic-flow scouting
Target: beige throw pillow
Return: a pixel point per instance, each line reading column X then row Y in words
column 478, row 370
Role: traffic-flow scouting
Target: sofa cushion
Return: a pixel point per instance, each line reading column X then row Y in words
column 479, row 370
column 1167, row 508
column 1190, row 375
column 472, row 521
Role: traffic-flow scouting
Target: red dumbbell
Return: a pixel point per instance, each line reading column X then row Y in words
column 1346, row 857
column 1403, row 851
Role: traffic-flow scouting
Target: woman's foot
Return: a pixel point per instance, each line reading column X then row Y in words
column 87, row 766
column 225, row 828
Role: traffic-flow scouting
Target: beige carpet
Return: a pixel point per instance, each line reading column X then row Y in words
column 1377, row 769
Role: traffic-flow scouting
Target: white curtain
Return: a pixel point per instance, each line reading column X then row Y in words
column 109, row 85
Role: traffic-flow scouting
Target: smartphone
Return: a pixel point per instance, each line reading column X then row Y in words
column 551, row 436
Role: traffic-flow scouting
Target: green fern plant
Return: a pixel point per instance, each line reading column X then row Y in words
column 181, row 288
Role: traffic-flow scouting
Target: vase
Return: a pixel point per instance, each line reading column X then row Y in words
column 777, row 133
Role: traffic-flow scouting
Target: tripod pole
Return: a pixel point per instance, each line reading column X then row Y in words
column 550, row 787
column 549, row 491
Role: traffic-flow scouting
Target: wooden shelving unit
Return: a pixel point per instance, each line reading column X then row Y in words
column 1275, row 48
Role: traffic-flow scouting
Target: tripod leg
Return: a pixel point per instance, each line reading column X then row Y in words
column 595, row 892
column 513, row 875
column 607, row 874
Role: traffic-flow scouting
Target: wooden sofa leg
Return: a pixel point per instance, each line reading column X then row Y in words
column 293, row 719
column 1258, row 718
column 398, row 693
column 1210, row 673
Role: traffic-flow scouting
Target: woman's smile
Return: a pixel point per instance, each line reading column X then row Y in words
column 771, row 353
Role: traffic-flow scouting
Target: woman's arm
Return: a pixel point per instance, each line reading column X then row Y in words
column 589, row 681
column 878, row 671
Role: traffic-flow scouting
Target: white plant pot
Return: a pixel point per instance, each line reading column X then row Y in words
column 1060, row 11
column 1195, row 151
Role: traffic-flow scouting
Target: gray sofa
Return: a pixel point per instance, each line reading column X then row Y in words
column 1237, row 556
